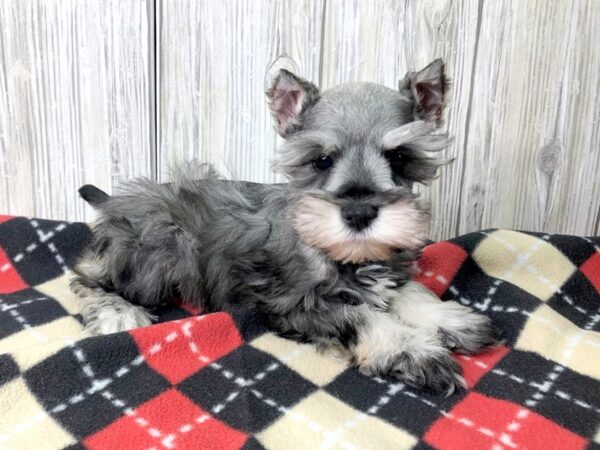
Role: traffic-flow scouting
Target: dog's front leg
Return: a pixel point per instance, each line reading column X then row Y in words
column 460, row 328
column 386, row 346
column 376, row 341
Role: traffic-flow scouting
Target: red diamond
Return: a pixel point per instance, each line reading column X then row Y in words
column 10, row 280
column 4, row 218
column 180, row 348
column 483, row 422
column 476, row 366
column 439, row 264
column 170, row 420
column 591, row 269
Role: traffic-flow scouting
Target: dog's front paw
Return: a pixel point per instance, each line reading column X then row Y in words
column 112, row 321
column 470, row 333
column 438, row 371
column 114, row 315
column 416, row 356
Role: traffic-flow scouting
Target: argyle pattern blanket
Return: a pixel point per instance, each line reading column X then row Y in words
column 223, row 381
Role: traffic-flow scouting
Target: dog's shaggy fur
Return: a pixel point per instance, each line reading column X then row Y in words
column 326, row 258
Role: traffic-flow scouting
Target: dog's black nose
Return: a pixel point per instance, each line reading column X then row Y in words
column 359, row 216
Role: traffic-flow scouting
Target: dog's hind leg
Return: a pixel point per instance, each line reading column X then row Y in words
column 103, row 311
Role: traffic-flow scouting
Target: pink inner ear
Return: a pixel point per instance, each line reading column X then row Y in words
column 431, row 97
column 285, row 105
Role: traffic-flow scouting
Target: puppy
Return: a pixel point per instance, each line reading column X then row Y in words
column 326, row 259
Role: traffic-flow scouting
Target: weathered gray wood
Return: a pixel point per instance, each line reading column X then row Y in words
column 214, row 60
column 77, row 96
column 532, row 155
column 74, row 101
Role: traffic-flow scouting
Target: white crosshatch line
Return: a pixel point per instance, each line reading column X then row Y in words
column 300, row 418
column 522, row 261
column 506, row 438
column 465, row 421
column 19, row 256
column 503, row 438
column 393, row 390
column 542, row 389
column 238, row 380
column 250, row 382
column 486, row 304
column 5, row 307
column 532, row 269
column 13, row 311
column 97, row 386
column 44, row 239
column 289, row 412
column 333, row 436
column 186, row 427
column 519, row 380
column 565, row 396
column 592, row 243
column 166, row 440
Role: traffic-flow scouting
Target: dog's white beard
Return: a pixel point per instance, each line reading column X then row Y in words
column 399, row 225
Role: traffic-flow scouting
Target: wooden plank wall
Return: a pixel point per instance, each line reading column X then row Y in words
column 525, row 109
column 534, row 133
column 215, row 57
column 73, row 102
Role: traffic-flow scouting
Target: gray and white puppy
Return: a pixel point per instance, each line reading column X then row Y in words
column 326, row 259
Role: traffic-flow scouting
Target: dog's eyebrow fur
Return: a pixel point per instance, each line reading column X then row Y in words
column 304, row 148
column 407, row 134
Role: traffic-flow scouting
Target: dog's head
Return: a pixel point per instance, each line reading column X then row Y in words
column 356, row 150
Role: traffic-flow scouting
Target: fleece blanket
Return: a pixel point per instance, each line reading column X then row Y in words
column 224, row 382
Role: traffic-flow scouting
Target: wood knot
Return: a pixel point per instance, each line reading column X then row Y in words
column 549, row 157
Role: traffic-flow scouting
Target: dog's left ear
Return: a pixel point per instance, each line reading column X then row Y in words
column 288, row 97
column 428, row 89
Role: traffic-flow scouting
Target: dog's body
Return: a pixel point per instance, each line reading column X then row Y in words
column 326, row 259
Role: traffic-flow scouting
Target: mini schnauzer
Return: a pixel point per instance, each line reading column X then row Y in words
column 326, row 258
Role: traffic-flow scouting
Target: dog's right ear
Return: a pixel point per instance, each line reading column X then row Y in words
column 288, row 97
column 428, row 88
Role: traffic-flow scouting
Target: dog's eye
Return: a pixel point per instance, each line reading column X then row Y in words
column 395, row 159
column 323, row 162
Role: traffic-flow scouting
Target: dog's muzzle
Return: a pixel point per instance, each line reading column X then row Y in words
column 360, row 228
